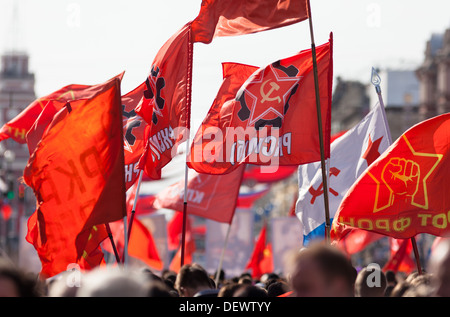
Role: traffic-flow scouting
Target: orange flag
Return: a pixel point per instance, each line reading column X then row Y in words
column 403, row 192
column 77, row 176
column 166, row 102
column 237, row 17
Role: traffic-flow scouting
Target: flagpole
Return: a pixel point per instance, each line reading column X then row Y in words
column 416, row 255
column 133, row 211
column 222, row 256
column 188, row 125
column 125, row 242
column 319, row 121
column 113, row 244
column 376, row 81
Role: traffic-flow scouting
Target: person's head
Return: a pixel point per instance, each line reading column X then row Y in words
column 228, row 290
column 16, row 283
column 440, row 269
column 370, row 282
column 102, row 282
column 250, row 291
column 277, row 288
column 321, row 271
column 191, row 279
column 391, row 278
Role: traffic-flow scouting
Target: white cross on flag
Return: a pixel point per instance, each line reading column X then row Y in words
column 351, row 154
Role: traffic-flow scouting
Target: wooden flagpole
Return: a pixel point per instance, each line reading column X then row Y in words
column 319, row 121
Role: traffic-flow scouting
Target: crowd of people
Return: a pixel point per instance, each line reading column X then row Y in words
column 317, row 271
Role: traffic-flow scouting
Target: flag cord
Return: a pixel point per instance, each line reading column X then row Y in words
column 416, row 255
column 319, row 121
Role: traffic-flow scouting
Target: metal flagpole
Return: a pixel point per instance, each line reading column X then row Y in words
column 376, row 81
column 116, row 253
column 125, row 243
column 133, row 211
column 221, row 256
column 183, row 233
column 319, row 121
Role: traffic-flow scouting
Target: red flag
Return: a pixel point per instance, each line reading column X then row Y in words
column 228, row 18
column 174, row 230
column 209, row 196
column 18, row 127
column 261, row 259
column 189, row 244
column 270, row 120
column 402, row 193
column 400, row 260
column 255, row 174
column 140, row 246
column 6, row 211
column 77, row 175
column 357, row 240
column 133, row 133
column 167, row 101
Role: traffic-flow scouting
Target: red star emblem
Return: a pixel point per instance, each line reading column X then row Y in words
column 267, row 94
column 372, row 153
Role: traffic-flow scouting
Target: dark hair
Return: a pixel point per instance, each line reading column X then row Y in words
column 277, row 288
column 193, row 276
column 250, row 291
column 331, row 262
column 26, row 284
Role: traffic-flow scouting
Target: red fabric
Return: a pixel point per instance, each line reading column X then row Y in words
column 357, row 240
column 254, row 173
column 6, row 211
column 269, row 120
column 400, row 260
column 141, row 244
column 189, row 250
column 402, row 193
column 237, row 17
column 166, row 103
column 261, row 259
column 133, row 133
column 209, row 196
column 77, row 175
column 174, row 230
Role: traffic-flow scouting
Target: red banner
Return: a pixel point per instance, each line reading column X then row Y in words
column 77, row 175
column 403, row 192
column 167, row 101
column 238, row 17
column 209, row 196
column 270, row 120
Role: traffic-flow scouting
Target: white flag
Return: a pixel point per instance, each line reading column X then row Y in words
column 350, row 155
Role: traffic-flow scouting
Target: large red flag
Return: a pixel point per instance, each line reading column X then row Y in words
column 403, row 192
column 228, row 18
column 77, row 175
column 209, row 196
column 167, row 101
column 270, row 120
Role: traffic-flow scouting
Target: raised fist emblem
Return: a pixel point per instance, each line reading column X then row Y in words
column 401, row 177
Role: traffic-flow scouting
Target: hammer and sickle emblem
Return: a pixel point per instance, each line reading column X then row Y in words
column 319, row 191
column 266, row 96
